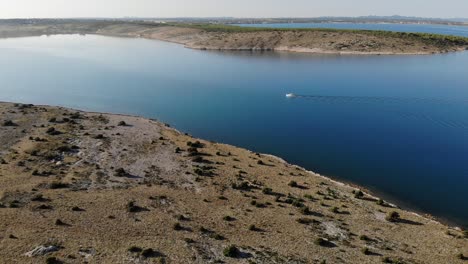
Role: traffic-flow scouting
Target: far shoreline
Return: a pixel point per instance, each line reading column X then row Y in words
column 235, row 38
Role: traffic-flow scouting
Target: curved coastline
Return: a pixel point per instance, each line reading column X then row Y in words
column 234, row 38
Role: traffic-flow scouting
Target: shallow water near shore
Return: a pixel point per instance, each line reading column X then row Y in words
column 397, row 125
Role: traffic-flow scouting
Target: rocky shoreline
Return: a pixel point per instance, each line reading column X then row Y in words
column 79, row 186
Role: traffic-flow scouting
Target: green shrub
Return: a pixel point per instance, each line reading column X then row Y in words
column 58, row 185
column 364, row 237
column 120, row 172
column 53, row 260
column 52, row 131
column 392, row 216
column 59, row 222
column 177, row 227
column 228, row 218
column 148, row 253
column 297, row 203
column 305, row 210
column 365, row 251
column 231, row 251
column 133, row 208
column 320, row 242
column 358, row 194
column 9, row 123
column 217, row 237
column 267, row 191
column 135, row 249
column 293, row 184
column 305, row 221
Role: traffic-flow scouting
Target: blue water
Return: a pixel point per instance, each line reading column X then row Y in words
column 424, row 28
column 395, row 124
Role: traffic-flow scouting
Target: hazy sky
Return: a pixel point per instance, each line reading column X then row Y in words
column 234, row 8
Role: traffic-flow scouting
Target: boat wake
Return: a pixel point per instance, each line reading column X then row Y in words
column 443, row 112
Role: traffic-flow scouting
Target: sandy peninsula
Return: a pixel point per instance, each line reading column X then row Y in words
column 225, row 37
column 81, row 187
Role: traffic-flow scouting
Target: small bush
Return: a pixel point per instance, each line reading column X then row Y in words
column 196, row 144
column 245, row 186
column 392, row 216
column 320, row 242
column 217, row 237
column 297, row 203
column 148, row 253
column 177, row 227
column 260, row 162
column 59, row 222
column 44, row 207
column 135, row 249
column 358, row 194
column 228, row 218
column 58, row 185
column 293, row 184
column 305, row 210
column 53, row 260
column 120, row 172
column 392, row 260
column 380, row 202
column 306, row 221
column 365, row 251
column 52, row 131
column 335, row 210
column 99, row 136
column 232, row 251
column 364, row 238
column 122, row 123
column 9, row 123
column 77, row 209
column 252, row 228
column 133, row 208
column 267, row 191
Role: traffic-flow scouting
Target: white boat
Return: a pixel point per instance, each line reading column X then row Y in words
column 290, row 95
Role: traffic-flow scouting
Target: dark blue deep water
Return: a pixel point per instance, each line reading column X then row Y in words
column 397, row 125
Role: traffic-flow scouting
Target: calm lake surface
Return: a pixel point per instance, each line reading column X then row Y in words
column 424, row 28
column 395, row 124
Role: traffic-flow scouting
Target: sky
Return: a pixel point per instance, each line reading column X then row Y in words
column 230, row 8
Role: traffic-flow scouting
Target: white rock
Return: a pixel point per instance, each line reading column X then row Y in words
column 41, row 251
